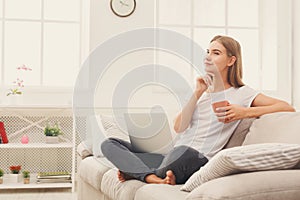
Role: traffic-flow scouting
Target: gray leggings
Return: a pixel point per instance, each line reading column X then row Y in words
column 182, row 160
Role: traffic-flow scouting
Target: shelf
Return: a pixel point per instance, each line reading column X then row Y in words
column 35, row 145
column 21, row 185
column 33, row 184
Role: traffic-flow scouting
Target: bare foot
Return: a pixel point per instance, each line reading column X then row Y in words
column 123, row 177
column 170, row 178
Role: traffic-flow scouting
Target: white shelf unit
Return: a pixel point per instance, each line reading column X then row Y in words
column 37, row 156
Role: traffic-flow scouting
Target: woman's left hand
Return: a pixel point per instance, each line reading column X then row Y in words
column 230, row 113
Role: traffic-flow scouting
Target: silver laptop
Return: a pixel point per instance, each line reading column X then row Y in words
column 149, row 132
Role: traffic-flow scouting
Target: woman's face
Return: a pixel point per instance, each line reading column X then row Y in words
column 216, row 59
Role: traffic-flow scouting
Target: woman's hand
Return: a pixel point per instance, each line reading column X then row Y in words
column 202, row 83
column 231, row 113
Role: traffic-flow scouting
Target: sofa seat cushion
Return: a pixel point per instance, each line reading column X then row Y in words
column 116, row 190
column 263, row 185
column 159, row 191
column 91, row 170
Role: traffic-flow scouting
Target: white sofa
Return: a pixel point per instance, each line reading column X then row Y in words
column 97, row 180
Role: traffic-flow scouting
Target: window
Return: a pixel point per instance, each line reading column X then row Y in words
column 259, row 25
column 46, row 36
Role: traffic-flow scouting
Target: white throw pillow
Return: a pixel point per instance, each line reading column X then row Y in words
column 267, row 156
column 106, row 127
column 83, row 150
column 112, row 129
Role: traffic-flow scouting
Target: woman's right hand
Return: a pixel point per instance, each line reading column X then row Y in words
column 183, row 119
column 202, row 83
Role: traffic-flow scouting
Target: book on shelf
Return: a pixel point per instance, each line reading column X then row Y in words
column 51, row 180
column 53, row 177
column 53, row 174
column 3, row 133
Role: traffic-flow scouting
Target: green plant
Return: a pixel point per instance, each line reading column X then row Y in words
column 52, row 130
column 26, row 174
column 1, row 172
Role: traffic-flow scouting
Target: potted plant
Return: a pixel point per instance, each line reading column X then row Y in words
column 14, row 177
column 26, row 177
column 15, row 169
column 52, row 133
column 1, row 176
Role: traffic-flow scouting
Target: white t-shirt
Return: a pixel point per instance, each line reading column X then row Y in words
column 206, row 134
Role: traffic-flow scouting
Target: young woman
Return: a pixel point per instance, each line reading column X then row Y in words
column 204, row 132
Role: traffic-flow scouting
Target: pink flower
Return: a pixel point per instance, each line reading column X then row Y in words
column 19, row 83
column 23, row 67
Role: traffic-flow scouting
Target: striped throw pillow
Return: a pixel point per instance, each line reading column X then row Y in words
column 255, row 157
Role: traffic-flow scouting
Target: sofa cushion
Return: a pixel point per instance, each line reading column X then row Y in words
column 95, row 134
column 160, row 191
column 239, row 134
column 91, row 170
column 263, row 185
column 246, row 158
column 117, row 190
column 282, row 127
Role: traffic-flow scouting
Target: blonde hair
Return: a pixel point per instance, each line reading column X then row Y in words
column 233, row 48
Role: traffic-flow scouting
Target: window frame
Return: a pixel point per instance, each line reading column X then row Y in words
column 65, row 93
column 284, row 44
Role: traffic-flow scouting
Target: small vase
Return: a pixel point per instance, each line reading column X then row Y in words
column 14, row 99
column 26, row 180
column 1, row 179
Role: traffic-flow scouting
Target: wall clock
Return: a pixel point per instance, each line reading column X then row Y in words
column 122, row 8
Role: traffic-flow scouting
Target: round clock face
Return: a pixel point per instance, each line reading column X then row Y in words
column 122, row 8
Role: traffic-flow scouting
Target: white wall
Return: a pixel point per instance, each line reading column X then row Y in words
column 104, row 25
column 296, row 55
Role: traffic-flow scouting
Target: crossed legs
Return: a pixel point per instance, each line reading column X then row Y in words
column 174, row 168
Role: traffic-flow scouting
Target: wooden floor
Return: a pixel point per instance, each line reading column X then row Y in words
column 38, row 194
